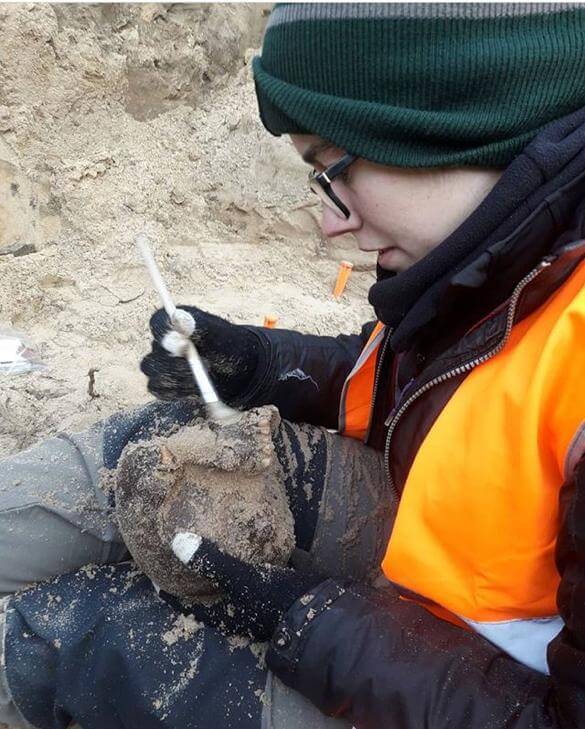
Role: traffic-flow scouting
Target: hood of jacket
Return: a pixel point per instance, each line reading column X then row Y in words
column 537, row 206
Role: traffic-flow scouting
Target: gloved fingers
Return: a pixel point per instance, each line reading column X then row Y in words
column 201, row 320
column 220, row 614
column 206, row 559
column 159, row 364
column 167, row 387
column 156, row 361
column 171, row 379
column 159, row 359
column 159, row 324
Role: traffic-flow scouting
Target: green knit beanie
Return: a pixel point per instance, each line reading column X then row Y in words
column 422, row 84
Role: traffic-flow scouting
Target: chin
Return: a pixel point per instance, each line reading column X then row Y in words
column 394, row 259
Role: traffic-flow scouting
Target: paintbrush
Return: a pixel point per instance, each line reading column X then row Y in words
column 179, row 342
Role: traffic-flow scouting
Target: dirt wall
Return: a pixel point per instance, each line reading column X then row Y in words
column 121, row 118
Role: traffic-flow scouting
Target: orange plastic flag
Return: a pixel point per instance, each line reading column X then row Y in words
column 345, row 268
column 270, row 321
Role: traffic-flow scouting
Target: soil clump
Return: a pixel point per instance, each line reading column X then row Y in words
column 220, row 481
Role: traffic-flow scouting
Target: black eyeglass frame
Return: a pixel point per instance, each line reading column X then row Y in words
column 324, row 179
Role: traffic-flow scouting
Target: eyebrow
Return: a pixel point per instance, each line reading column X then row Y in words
column 310, row 154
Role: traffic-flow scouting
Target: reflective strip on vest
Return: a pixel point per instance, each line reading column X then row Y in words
column 352, row 381
column 524, row 640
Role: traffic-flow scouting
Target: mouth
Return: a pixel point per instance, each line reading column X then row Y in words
column 388, row 258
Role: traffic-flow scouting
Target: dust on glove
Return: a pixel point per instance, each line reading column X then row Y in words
column 255, row 597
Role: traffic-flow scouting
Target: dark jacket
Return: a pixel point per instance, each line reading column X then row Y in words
column 397, row 665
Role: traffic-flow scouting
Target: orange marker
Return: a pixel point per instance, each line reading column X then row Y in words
column 270, row 321
column 345, row 268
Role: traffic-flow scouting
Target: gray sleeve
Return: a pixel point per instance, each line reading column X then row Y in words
column 53, row 516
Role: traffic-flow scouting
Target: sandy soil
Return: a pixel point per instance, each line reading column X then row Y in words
column 121, row 118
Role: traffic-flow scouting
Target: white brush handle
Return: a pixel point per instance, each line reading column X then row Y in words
column 183, row 323
column 208, row 391
column 161, row 287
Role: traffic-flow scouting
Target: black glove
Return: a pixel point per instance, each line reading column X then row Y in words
column 231, row 353
column 255, row 598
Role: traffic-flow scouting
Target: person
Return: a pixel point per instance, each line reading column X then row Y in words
column 450, row 138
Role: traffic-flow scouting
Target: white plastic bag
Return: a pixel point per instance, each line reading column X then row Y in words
column 17, row 354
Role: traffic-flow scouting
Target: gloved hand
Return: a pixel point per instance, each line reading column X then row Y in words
column 229, row 351
column 255, row 599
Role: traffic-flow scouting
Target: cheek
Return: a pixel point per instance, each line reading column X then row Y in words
column 395, row 215
column 384, row 202
column 420, row 245
column 374, row 207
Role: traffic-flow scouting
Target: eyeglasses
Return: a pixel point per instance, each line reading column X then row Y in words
column 320, row 184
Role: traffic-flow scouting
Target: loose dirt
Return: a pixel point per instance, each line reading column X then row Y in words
column 121, row 118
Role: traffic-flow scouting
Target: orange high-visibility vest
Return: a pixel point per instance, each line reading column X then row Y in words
column 477, row 522
column 356, row 397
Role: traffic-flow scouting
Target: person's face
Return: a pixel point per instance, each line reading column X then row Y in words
column 400, row 213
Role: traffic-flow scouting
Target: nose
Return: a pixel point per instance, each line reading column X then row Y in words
column 333, row 225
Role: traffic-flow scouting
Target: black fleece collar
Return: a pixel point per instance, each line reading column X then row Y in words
column 536, row 206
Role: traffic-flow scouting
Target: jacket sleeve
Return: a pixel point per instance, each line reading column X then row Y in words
column 397, row 665
column 54, row 515
column 303, row 374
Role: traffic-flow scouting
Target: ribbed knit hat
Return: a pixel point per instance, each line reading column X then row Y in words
column 422, row 84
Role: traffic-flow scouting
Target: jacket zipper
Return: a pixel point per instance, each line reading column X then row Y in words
column 392, row 420
column 376, row 381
